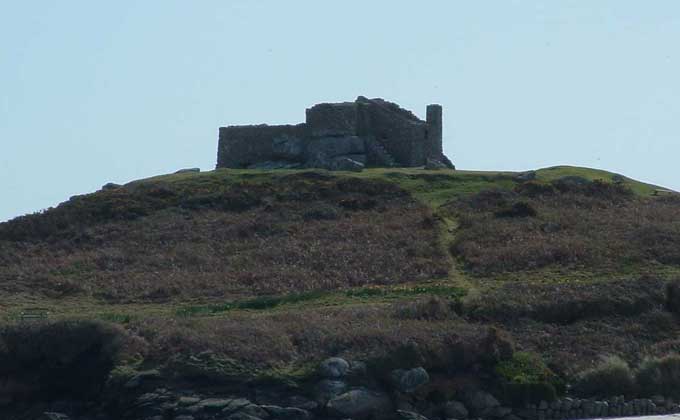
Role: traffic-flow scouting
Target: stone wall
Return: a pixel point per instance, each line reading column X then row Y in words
column 400, row 132
column 371, row 132
column 575, row 408
column 242, row 146
column 332, row 119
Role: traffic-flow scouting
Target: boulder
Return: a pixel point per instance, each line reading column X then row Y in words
column 444, row 159
column 357, row 369
column 498, row 412
column 334, row 367
column 361, row 158
column 659, row 400
column 55, row 416
column 410, row 415
column 618, row 179
column 232, row 405
column 410, row 380
column 480, row 402
column 287, row 413
column 328, row 389
column 551, row 227
column 297, row 401
column 402, row 404
column 142, row 377
column 152, row 398
column 360, row 404
column 525, row 176
column 215, row 404
column 345, row 163
column 455, row 410
column 242, row 416
column 434, row 164
column 254, row 411
column 186, row 401
column 110, row 186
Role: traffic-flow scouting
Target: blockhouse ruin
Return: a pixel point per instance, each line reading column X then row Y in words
column 339, row 136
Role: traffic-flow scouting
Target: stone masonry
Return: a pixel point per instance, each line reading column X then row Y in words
column 339, row 136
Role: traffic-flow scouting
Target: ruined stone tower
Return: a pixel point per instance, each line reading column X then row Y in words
column 345, row 135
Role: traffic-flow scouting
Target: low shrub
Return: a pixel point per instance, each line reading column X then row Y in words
column 524, row 368
column 406, row 356
column 673, row 296
column 432, row 308
column 611, row 377
column 488, row 200
column 322, row 212
column 356, row 204
column 521, row 394
column 496, row 347
column 597, row 188
column 659, row 376
column 525, row 379
column 519, row 209
column 534, row 189
column 483, row 352
column 223, row 240
column 594, row 225
column 65, row 358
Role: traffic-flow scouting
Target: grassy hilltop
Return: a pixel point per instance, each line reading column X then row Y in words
column 272, row 271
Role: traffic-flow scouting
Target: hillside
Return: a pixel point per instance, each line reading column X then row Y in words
column 234, row 275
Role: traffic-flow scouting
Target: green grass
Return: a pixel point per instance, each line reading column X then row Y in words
column 319, row 298
column 432, row 187
column 556, row 172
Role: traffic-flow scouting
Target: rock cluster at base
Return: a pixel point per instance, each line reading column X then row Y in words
column 343, row 390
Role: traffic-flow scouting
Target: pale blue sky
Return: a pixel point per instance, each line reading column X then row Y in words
column 94, row 91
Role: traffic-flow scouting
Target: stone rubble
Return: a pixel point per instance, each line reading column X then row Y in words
column 341, row 392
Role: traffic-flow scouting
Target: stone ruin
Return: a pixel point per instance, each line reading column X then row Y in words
column 339, row 136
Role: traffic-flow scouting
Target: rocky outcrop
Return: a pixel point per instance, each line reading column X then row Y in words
column 188, row 171
column 455, row 410
column 334, row 367
column 360, row 404
column 409, row 380
column 342, row 390
column 110, row 186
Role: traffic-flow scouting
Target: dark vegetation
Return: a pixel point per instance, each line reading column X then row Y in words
column 525, row 378
column 159, row 243
column 58, row 359
column 657, row 376
column 568, row 302
column 613, row 376
column 568, row 224
column 252, row 277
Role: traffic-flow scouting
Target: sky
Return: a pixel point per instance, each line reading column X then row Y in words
column 97, row 92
